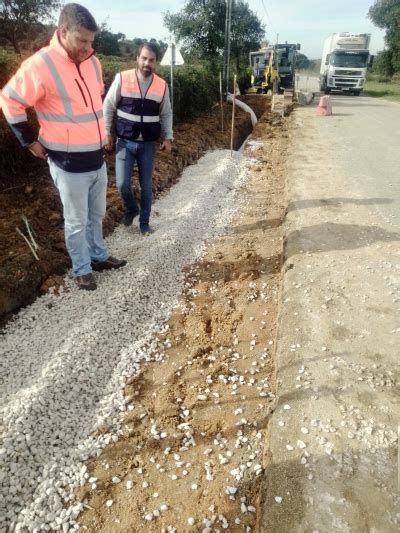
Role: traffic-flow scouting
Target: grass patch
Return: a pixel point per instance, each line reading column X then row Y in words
column 388, row 90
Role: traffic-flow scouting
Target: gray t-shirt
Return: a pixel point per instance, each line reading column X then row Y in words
column 114, row 95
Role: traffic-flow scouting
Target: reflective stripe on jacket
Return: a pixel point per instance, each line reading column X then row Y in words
column 67, row 100
column 139, row 113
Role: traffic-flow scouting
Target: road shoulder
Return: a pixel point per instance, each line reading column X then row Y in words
column 332, row 456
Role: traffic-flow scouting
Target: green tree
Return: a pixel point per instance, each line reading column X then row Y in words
column 200, row 25
column 19, row 18
column 9, row 62
column 106, row 42
column 383, row 64
column 138, row 41
column 386, row 15
column 303, row 63
column 162, row 46
column 130, row 48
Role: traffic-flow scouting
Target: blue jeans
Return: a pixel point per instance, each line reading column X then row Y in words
column 83, row 196
column 143, row 153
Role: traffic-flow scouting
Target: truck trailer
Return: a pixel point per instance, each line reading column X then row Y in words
column 345, row 59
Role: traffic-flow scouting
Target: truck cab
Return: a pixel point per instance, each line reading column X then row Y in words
column 344, row 63
column 286, row 63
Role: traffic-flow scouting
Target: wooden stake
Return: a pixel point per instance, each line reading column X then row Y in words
column 221, row 101
column 233, row 111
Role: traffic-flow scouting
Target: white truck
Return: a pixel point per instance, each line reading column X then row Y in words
column 345, row 59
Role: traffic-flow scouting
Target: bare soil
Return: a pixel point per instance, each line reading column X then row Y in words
column 32, row 193
column 192, row 451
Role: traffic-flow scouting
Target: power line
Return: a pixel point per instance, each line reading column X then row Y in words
column 268, row 17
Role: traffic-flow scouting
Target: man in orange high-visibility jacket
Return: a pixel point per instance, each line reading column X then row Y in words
column 140, row 100
column 63, row 82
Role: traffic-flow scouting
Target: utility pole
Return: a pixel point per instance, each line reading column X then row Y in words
column 172, row 75
column 227, row 50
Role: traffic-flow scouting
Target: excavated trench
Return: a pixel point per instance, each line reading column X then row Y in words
column 198, row 394
column 32, row 193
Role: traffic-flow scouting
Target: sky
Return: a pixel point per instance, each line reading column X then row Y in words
column 307, row 22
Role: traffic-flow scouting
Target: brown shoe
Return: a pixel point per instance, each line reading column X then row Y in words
column 86, row 282
column 109, row 264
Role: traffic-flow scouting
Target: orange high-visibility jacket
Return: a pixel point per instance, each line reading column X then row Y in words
column 68, row 104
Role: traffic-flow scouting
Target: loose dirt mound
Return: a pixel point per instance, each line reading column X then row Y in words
column 33, row 194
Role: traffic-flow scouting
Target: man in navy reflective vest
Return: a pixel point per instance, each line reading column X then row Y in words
column 141, row 102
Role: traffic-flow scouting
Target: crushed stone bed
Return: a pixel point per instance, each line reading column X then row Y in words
column 65, row 359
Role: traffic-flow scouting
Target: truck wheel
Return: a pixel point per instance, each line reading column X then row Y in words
column 356, row 93
column 327, row 90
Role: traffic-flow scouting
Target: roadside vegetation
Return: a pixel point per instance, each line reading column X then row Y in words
column 383, row 87
column 384, row 76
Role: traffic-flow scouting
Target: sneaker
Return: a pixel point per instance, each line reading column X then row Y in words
column 145, row 230
column 128, row 217
column 109, row 264
column 86, row 282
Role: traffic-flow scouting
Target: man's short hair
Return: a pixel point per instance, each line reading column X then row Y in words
column 75, row 16
column 150, row 46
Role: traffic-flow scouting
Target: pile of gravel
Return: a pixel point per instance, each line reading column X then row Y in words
column 65, row 359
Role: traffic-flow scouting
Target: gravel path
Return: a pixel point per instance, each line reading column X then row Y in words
column 64, row 360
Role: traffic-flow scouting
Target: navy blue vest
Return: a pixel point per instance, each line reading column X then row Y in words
column 139, row 113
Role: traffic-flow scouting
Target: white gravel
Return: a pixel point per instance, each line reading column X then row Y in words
column 64, row 360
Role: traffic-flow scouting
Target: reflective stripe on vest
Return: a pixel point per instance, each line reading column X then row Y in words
column 137, row 118
column 78, row 119
column 96, row 69
column 16, row 119
column 139, row 114
column 69, row 147
column 9, row 91
column 62, row 91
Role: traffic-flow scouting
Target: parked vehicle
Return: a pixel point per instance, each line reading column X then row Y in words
column 273, row 67
column 345, row 59
column 259, row 63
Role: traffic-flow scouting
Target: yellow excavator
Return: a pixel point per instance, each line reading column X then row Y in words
column 273, row 68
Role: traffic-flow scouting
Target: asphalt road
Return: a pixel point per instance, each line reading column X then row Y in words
column 333, row 451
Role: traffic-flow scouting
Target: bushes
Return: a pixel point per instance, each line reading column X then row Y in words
column 383, row 64
column 15, row 161
column 195, row 90
column 244, row 80
column 9, row 63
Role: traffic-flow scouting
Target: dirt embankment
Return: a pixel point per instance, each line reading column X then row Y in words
column 33, row 194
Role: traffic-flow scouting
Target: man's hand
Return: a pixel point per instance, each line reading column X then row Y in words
column 109, row 143
column 167, row 146
column 38, row 150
